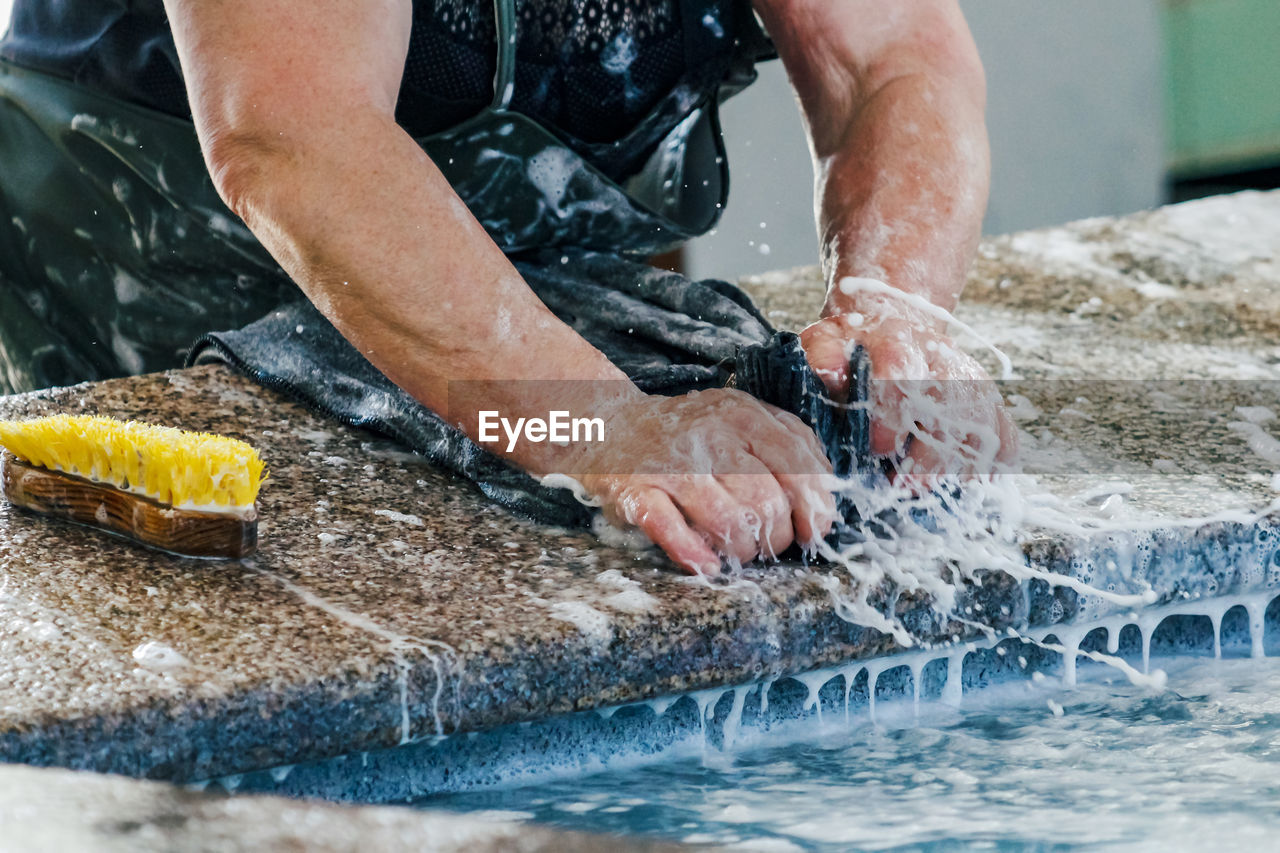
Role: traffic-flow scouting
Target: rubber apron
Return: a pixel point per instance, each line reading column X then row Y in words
column 116, row 252
column 530, row 190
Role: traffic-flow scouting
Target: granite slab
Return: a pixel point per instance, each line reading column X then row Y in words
column 391, row 603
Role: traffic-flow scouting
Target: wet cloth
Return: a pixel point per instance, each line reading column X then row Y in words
column 669, row 334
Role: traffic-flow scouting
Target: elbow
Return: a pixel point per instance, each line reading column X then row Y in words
column 246, row 169
column 936, row 48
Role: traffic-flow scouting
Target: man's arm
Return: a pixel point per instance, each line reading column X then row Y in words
column 294, row 104
column 893, row 96
column 295, row 107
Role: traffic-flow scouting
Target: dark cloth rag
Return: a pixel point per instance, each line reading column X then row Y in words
column 669, row 334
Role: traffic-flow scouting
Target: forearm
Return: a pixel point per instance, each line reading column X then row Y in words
column 902, row 196
column 371, row 231
column 893, row 97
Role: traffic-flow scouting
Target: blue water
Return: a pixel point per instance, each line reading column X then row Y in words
column 1024, row 765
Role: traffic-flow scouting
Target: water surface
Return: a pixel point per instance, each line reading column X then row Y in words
column 1028, row 765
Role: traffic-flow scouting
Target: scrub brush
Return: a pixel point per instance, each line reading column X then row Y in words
column 184, row 492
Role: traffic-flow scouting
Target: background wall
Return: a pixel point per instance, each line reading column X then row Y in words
column 1075, row 116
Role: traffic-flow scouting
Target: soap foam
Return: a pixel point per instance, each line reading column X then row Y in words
column 923, row 687
column 442, row 658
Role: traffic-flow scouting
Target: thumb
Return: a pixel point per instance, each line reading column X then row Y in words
column 825, row 351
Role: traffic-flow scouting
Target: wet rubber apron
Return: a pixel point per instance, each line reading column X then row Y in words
column 531, row 191
column 116, row 252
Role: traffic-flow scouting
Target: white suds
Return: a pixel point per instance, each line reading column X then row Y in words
column 403, row 518
column 564, row 481
column 159, row 657
column 628, row 539
column 591, row 623
column 1261, row 442
column 628, row 596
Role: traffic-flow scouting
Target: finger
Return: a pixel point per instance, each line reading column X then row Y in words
column 826, row 354
column 766, row 507
column 922, row 467
column 887, row 439
column 897, row 402
column 801, row 437
column 796, row 459
column 716, row 515
column 652, row 510
column 984, row 430
column 810, row 493
column 813, row 506
column 1008, row 454
column 792, row 424
column 891, row 424
column 780, row 439
column 793, row 445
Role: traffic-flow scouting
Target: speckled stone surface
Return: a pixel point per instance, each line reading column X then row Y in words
column 389, row 601
column 42, row 809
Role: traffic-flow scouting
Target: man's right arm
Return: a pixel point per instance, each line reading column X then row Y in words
column 294, row 104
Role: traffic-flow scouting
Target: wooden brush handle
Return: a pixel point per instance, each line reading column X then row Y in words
column 179, row 531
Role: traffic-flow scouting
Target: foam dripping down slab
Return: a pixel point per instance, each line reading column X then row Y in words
column 895, row 690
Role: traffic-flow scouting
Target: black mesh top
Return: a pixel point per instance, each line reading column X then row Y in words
column 588, row 70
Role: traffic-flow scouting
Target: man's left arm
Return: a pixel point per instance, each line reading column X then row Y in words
column 893, row 96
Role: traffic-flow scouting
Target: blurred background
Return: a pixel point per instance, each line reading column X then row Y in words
column 1096, row 107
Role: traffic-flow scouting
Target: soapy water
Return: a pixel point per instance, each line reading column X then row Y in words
column 1044, row 763
column 405, row 650
column 938, row 542
column 1105, row 765
column 933, row 545
column 993, row 742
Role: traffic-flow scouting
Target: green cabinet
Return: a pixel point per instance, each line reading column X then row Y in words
column 1223, row 72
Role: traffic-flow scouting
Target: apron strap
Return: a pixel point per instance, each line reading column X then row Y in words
column 505, row 76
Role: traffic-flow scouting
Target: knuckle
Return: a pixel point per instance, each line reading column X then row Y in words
column 775, row 506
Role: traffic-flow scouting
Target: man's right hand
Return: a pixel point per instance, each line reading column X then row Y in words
column 710, row 475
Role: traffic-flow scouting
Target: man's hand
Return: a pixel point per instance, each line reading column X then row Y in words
column 710, row 475
column 933, row 407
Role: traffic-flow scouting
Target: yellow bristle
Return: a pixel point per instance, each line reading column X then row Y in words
column 172, row 466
